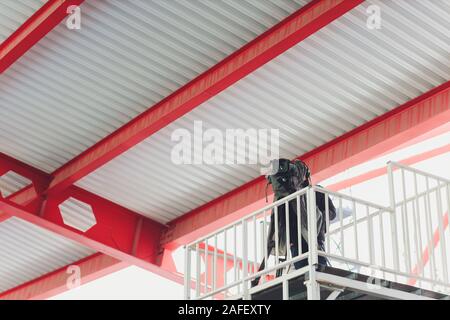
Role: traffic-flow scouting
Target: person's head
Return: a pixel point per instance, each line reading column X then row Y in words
column 304, row 173
column 287, row 177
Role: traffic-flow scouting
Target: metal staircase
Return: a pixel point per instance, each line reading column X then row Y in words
column 376, row 252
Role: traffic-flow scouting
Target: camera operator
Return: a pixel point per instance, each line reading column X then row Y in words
column 287, row 178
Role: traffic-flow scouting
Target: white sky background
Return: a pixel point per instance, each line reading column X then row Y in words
column 131, row 283
column 135, row 283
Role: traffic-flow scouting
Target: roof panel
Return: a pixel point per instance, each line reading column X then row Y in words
column 13, row 13
column 341, row 77
column 28, row 252
column 76, row 86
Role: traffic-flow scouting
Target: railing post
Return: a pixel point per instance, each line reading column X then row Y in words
column 442, row 232
column 313, row 289
column 187, row 273
column 393, row 217
column 245, row 295
column 264, row 243
column 285, row 285
column 197, row 270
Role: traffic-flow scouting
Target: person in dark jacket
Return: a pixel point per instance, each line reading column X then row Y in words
column 287, row 178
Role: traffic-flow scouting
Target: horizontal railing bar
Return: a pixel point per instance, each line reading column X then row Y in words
column 286, row 199
column 359, row 220
column 278, row 266
column 221, row 255
column 278, row 280
column 419, row 195
column 255, row 275
column 254, row 213
column 272, row 283
column 380, row 268
column 350, row 198
column 423, row 173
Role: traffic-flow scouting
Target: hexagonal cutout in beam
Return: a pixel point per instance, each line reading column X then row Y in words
column 12, row 182
column 77, row 214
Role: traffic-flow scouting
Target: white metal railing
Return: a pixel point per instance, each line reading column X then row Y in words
column 420, row 203
column 383, row 242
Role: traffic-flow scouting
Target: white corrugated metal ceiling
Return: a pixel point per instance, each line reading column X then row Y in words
column 28, row 252
column 13, row 13
column 76, row 86
column 339, row 78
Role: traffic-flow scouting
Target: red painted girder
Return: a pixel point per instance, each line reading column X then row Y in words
column 4, row 217
column 382, row 171
column 28, row 195
column 91, row 268
column 117, row 227
column 429, row 135
column 119, row 232
column 384, row 133
column 115, row 234
column 54, row 283
column 33, row 30
column 37, row 176
column 25, row 196
column 266, row 47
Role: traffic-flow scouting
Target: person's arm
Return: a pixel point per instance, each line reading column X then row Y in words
column 320, row 203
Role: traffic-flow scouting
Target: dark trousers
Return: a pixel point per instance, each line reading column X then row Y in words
column 293, row 234
column 303, row 263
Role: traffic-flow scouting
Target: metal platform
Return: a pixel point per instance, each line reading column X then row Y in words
column 338, row 284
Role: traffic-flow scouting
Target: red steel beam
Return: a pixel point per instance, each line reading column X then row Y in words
column 384, row 133
column 429, row 135
column 266, row 47
column 91, row 268
column 37, row 176
column 122, row 233
column 382, row 171
column 28, row 195
column 33, row 30
column 114, row 234
column 119, row 232
column 54, row 283
column 116, row 227
column 4, row 217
